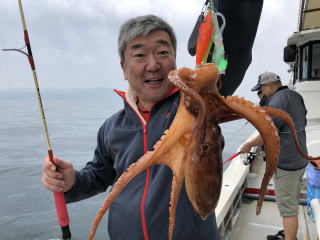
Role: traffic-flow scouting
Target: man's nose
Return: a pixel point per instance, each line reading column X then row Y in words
column 152, row 64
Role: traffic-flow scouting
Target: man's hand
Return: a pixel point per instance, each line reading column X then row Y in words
column 246, row 147
column 58, row 177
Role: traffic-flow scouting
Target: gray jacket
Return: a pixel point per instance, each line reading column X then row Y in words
column 141, row 211
column 291, row 102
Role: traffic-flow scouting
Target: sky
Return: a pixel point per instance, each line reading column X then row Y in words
column 74, row 42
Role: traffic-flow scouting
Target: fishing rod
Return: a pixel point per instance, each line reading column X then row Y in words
column 60, row 203
column 231, row 157
column 249, row 159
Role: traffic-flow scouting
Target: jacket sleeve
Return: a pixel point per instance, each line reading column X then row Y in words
column 97, row 175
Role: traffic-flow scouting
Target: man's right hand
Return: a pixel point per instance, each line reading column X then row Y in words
column 58, row 176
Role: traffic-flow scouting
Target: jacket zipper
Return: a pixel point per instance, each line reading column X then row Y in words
column 148, row 172
column 144, row 196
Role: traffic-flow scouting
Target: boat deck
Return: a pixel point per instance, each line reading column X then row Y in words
column 236, row 209
column 249, row 226
column 269, row 221
column 246, row 225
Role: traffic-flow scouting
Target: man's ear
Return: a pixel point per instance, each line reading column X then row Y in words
column 123, row 66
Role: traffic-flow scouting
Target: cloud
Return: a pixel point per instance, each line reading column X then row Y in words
column 75, row 42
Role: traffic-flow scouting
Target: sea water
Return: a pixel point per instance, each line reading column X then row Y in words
column 26, row 207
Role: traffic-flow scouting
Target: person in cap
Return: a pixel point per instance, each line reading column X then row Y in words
column 291, row 165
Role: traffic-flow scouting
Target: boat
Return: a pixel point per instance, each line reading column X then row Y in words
column 235, row 212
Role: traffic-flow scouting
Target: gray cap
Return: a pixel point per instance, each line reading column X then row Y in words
column 266, row 77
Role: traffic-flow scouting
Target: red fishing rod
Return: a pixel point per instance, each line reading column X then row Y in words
column 231, row 157
column 60, row 203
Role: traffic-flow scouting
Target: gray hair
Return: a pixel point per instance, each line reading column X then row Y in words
column 142, row 26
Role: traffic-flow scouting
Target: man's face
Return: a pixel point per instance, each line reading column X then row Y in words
column 266, row 89
column 148, row 60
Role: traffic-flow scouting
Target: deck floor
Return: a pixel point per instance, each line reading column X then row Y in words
column 249, row 226
column 252, row 227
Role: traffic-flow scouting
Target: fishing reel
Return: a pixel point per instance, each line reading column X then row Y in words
column 250, row 158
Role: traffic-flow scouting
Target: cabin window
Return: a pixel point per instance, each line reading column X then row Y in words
column 315, row 64
column 296, row 68
column 309, row 61
column 304, row 62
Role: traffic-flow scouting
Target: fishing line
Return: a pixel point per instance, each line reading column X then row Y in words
column 239, row 129
column 236, row 133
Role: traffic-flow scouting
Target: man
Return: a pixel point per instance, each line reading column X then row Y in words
column 291, row 166
column 147, row 49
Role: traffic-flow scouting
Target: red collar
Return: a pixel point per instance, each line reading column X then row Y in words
column 123, row 94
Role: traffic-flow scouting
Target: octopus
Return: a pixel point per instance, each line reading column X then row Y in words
column 192, row 146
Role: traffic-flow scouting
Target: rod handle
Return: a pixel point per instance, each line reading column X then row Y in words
column 61, row 209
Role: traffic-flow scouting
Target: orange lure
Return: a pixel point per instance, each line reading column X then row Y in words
column 204, row 38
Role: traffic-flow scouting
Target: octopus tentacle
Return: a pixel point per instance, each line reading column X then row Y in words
column 219, row 111
column 169, row 150
column 199, row 130
column 177, row 81
column 133, row 170
column 174, row 197
column 256, row 115
column 195, row 127
column 269, row 133
column 287, row 118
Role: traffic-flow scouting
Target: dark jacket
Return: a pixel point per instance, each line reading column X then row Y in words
column 141, row 211
column 291, row 102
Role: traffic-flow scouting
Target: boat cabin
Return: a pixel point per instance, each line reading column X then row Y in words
column 302, row 53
